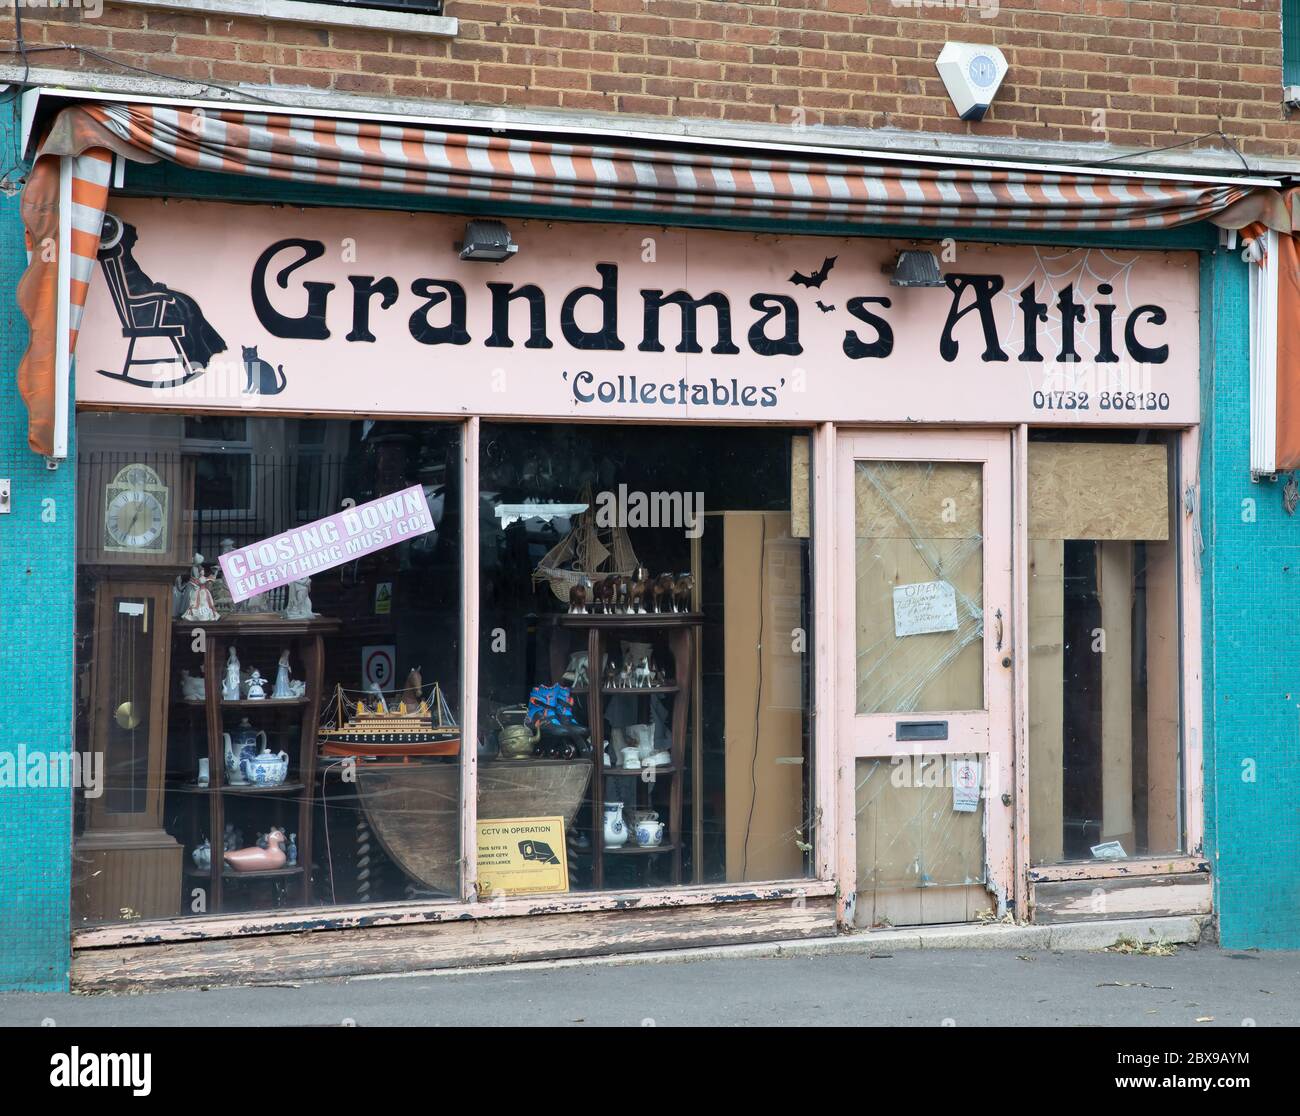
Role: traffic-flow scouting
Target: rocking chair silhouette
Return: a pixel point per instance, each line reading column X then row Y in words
column 150, row 311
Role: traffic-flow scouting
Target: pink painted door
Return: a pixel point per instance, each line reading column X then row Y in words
column 924, row 672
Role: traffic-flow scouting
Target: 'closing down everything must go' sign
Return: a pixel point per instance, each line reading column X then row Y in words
column 326, row 543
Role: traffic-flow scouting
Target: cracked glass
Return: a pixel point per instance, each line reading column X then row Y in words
column 920, row 588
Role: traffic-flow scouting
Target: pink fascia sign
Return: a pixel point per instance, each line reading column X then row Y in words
column 343, row 537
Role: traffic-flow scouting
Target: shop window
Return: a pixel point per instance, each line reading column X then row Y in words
column 332, row 775
column 645, row 662
column 1105, row 777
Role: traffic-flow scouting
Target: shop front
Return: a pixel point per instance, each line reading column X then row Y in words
column 452, row 591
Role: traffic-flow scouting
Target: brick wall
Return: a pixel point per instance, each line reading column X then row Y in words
column 1131, row 73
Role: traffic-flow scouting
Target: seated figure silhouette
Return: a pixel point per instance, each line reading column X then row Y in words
column 147, row 309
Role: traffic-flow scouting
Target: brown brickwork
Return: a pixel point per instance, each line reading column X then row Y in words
column 1122, row 71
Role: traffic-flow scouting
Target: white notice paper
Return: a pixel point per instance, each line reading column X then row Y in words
column 965, row 785
column 925, row 606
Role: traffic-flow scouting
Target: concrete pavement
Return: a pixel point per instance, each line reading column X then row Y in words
column 1197, row 986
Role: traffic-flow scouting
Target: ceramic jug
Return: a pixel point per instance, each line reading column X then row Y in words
column 244, row 747
column 615, row 829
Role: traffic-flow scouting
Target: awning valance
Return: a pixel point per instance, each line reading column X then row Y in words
column 660, row 180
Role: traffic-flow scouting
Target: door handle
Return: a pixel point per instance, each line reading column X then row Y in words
column 997, row 630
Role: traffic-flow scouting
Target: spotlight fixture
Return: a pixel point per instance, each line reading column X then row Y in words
column 487, row 240
column 916, row 269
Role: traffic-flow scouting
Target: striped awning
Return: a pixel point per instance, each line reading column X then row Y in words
column 658, row 180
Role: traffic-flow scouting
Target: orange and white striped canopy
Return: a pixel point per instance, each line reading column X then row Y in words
column 654, row 180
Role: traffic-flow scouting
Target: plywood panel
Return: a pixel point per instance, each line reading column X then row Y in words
column 1115, row 588
column 800, row 489
column 1096, row 490
column 1046, row 699
column 1164, row 832
column 762, row 578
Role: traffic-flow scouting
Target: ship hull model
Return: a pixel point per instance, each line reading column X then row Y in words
column 354, row 728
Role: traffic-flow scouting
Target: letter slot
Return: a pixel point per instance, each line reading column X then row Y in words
column 921, row 730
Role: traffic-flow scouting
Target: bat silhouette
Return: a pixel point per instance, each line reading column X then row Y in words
column 818, row 277
column 823, row 307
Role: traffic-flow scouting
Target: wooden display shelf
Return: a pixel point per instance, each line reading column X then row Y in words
column 293, row 798
column 289, row 786
column 641, row 850
column 229, row 873
column 622, row 619
column 594, row 633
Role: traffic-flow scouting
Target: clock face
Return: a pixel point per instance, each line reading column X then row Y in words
column 135, row 520
column 135, row 512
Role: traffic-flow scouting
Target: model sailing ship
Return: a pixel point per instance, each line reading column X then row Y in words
column 586, row 555
column 411, row 725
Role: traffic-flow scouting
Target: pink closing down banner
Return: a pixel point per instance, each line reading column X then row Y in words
column 326, row 543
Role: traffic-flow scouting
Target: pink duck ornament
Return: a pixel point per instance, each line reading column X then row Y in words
column 255, row 859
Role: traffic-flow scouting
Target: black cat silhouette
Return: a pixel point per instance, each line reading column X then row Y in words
column 262, row 378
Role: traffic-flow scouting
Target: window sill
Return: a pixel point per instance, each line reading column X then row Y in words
column 315, row 15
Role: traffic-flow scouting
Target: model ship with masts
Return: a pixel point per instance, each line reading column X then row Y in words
column 411, row 724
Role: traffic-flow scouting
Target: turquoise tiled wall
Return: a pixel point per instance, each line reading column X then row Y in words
column 1251, row 615
column 36, row 618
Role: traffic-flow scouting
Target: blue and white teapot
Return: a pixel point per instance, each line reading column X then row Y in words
column 243, row 747
column 266, row 769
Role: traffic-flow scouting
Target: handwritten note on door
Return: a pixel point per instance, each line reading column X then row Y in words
column 925, row 606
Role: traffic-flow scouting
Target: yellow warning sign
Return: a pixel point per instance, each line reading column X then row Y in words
column 521, row 856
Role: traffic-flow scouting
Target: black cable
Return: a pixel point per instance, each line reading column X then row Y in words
column 1171, row 147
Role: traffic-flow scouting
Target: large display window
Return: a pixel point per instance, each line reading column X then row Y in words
column 247, row 726
column 645, row 656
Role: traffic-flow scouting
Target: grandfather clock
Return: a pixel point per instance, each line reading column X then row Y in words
column 125, row 864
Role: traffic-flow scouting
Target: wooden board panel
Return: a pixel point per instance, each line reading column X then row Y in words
column 920, row 906
column 1115, row 589
column 1046, row 699
column 1130, row 897
column 764, row 780
column 1098, row 490
column 457, row 944
column 1164, row 829
column 800, row 489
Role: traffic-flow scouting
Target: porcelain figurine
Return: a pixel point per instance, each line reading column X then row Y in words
column 641, row 677
column 193, row 687
column 643, row 738
column 230, row 688
column 256, row 859
column 293, row 849
column 266, row 768
column 244, row 746
column 205, row 773
column 381, row 706
column 649, row 833
column 201, row 607
column 615, row 830
column 413, row 691
column 202, row 856
column 233, row 837
column 682, row 590
column 299, row 603
column 622, row 593
column 637, row 592
column 180, row 597
column 297, row 688
column 578, row 597
column 604, row 595
column 611, row 675
column 661, row 593
column 256, row 686
column 282, row 676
